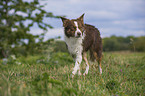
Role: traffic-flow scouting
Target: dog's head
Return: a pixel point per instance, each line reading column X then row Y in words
column 74, row 28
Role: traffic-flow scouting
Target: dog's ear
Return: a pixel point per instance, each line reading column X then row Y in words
column 64, row 20
column 81, row 17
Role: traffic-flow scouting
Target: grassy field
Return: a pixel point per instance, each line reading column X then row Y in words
column 49, row 75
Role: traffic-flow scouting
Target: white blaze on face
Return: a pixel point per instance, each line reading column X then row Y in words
column 78, row 31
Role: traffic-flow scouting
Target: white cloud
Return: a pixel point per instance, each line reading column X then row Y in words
column 112, row 17
column 53, row 33
column 36, row 31
column 107, row 32
column 101, row 14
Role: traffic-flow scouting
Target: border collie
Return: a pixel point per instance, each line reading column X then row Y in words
column 80, row 38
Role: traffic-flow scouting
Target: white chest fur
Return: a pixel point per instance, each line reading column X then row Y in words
column 74, row 45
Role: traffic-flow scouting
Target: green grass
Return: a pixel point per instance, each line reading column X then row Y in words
column 123, row 75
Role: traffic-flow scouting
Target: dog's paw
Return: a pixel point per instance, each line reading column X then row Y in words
column 85, row 73
column 79, row 73
column 72, row 76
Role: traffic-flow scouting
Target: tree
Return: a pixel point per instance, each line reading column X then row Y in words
column 110, row 44
column 139, row 44
column 13, row 28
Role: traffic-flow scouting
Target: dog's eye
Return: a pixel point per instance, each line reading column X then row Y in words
column 72, row 29
column 68, row 29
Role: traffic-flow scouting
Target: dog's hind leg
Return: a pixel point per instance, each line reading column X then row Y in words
column 86, row 61
column 98, row 58
column 99, row 65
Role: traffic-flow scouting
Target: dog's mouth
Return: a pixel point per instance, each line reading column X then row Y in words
column 78, row 36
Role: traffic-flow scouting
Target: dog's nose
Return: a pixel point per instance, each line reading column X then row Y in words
column 78, row 33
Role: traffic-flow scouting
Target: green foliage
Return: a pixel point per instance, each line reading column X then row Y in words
column 131, row 43
column 51, row 45
column 14, row 26
column 139, row 44
column 111, row 85
column 41, row 75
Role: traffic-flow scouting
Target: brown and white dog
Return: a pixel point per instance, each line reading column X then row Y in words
column 80, row 38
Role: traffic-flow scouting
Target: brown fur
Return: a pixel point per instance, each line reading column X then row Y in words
column 70, row 28
column 92, row 40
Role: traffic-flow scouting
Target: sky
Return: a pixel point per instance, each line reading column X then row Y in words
column 111, row 17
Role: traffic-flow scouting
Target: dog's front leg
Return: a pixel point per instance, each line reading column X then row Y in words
column 87, row 67
column 77, row 64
